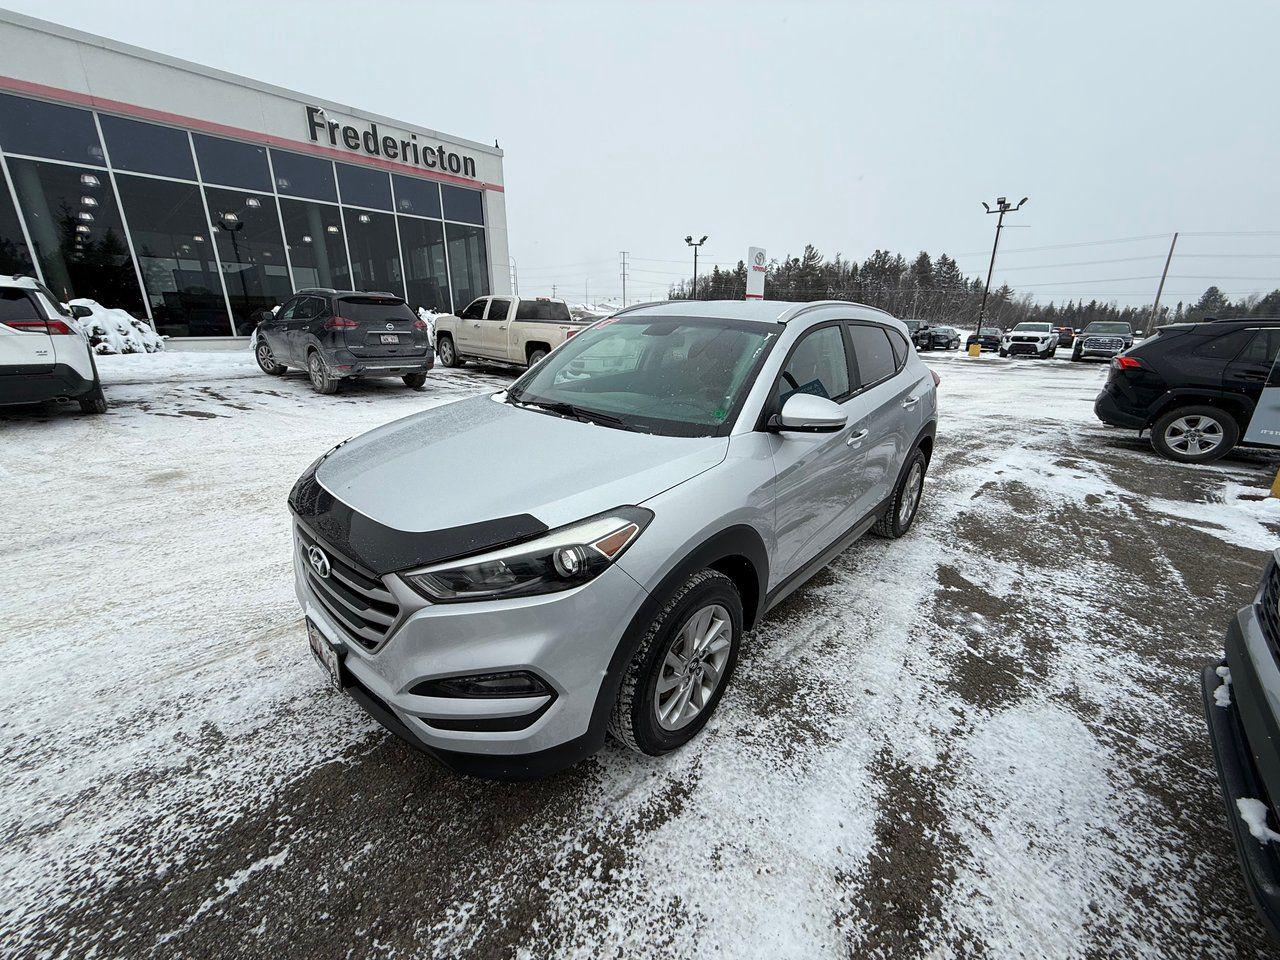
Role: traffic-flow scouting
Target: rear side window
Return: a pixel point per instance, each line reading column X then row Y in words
column 1261, row 348
column 872, row 353
column 308, row 308
column 499, row 308
column 363, row 309
column 817, row 366
column 475, row 310
column 16, row 305
column 899, row 344
column 542, row 310
column 1224, row 347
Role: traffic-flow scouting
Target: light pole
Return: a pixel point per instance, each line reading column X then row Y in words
column 232, row 223
column 1002, row 207
column 689, row 241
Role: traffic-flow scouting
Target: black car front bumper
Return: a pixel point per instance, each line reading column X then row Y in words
column 1246, row 753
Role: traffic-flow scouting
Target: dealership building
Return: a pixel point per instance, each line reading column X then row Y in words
column 196, row 198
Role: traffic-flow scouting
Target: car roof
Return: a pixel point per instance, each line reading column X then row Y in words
column 26, row 283
column 766, row 311
column 331, row 292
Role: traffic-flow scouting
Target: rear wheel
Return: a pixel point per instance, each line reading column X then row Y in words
column 319, row 374
column 94, row 402
column 1195, row 434
column 536, row 354
column 266, row 359
column 415, row 381
column 447, row 352
column 680, row 669
column 903, row 506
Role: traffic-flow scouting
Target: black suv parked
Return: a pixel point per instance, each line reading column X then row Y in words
column 1240, row 694
column 336, row 334
column 1194, row 385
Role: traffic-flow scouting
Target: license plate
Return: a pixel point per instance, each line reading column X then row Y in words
column 327, row 655
column 390, row 338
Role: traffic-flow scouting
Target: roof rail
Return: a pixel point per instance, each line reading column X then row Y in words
column 803, row 308
column 638, row 306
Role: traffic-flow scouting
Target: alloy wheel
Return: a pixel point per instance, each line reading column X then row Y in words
column 910, row 498
column 315, row 370
column 265, row 360
column 445, row 349
column 693, row 667
column 1194, row 435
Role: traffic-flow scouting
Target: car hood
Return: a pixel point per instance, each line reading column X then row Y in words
column 478, row 459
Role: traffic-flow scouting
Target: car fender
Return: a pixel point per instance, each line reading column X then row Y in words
column 1238, row 405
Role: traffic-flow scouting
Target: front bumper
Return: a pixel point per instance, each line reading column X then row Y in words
column 566, row 638
column 1022, row 349
column 1244, row 736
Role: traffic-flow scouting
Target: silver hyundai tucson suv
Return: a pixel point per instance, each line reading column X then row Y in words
column 501, row 580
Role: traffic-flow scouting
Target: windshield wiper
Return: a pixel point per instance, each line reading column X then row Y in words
column 575, row 412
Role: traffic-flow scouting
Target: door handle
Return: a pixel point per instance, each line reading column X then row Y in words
column 855, row 438
column 910, row 402
column 476, row 324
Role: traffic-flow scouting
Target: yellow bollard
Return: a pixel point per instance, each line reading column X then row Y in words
column 976, row 348
column 1275, row 485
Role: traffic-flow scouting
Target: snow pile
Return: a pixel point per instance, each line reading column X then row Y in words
column 1222, row 694
column 112, row 330
column 1254, row 814
column 429, row 317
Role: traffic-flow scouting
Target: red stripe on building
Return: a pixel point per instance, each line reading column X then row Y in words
column 15, row 85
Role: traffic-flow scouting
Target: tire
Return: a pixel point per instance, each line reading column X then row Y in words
column 1075, row 356
column 635, row 720
column 447, row 352
column 536, row 355
column 319, row 374
column 904, row 505
column 267, row 360
column 415, row 381
column 1004, row 352
column 94, row 402
column 1195, row 434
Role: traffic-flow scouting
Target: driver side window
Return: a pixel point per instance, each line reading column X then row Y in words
column 818, row 366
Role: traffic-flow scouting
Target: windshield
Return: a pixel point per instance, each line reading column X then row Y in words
column 1120, row 329
column 676, row 376
column 989, row 332
column 945, row 330
column 1032, row 328
column 912, row 325
column 365, row 309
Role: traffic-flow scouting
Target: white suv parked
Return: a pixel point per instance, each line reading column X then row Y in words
column 43, row 354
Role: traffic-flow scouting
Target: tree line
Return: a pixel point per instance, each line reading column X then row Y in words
column 937, row 291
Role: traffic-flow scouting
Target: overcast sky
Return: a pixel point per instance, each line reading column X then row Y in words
column 851, row 126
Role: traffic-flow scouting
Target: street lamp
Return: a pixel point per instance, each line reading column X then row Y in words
column 1003, row 206
column 689, row 241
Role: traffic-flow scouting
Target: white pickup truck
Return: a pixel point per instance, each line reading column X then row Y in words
column 519, row 330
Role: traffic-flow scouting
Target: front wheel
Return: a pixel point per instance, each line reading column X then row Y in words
column 1195, row 434
column 266, row 359
column 319, row 374
column 1076, row 357
column 447, row 352
column 680, row 669
column 903, row 506
column 415, row 381
column 1004, row 352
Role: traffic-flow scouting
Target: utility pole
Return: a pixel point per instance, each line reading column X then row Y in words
column 515, row 277
column 1002, row 207
column 553, row 291
column 624, row 277
column 1155, row 307
column 689, row 241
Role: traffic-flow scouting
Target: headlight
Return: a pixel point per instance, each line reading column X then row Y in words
column 559, row 560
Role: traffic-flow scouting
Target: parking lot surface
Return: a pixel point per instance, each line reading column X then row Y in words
column 983, row 739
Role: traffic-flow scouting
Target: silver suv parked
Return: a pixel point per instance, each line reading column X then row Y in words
column 501, row 580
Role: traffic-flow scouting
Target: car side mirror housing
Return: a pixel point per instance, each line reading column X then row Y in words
column 805, row 413
column 79, row 311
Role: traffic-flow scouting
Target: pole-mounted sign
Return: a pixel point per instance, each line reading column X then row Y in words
column 755, row 273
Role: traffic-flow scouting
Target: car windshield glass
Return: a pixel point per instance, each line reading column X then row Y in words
column 676, row 376
column 990, row 332
column 1121, row 329
column 947, row 330
column 374, row 308
column 1032, row 328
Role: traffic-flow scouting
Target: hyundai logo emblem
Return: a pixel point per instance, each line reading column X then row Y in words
column 319, row 562
column 391, row 326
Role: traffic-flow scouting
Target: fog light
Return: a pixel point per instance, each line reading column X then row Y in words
column 568, row 561
column 515, row 684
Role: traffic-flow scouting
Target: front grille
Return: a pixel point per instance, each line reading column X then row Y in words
column 1268, row 607
column 357, row 600
column 1108, row 344
column 1020, row 347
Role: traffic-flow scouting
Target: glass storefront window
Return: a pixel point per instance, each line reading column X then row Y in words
column 362, row 187
column 48, row 130
column 426, row 279
column 14, row 255
column 468, row 262
column 421, row 197
column 76, row 229
column 462, row 204
column 147, row 148
column 175, row 253
column 316, row 249
column 247, row 230
column 375, row 255
column 300, row 176
column 232, row 163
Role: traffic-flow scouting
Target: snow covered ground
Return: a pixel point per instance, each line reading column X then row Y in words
column 982, row 739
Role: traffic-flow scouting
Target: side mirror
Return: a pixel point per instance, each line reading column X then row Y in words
column 805, row 413
column 80, row 311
